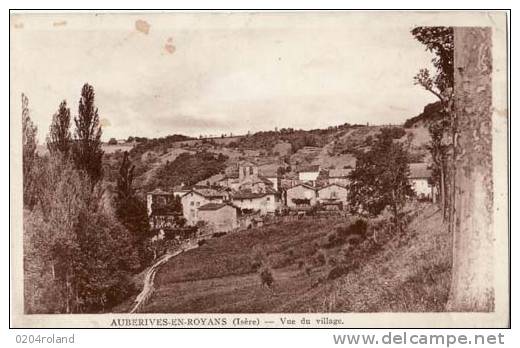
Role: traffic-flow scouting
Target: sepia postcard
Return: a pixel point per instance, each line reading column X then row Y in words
column 247, row 169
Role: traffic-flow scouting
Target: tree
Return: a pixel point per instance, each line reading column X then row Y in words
column 439, row 40
column 130, row 210
column 77, row 257
column 87, row 138
column 380, row 179
column 29, row 144
column 112, row 141
column 59, row 138
column 473, row 247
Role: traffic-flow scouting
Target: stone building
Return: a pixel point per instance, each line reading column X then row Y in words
column 218, row 217
column 301, row 196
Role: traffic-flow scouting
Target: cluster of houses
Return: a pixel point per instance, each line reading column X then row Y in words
column 242, row 199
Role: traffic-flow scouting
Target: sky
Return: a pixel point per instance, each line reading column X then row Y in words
column 210, row 74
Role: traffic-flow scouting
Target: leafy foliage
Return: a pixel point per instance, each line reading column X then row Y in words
column 431, row 113
column 189, row 169
column 130, row 209
column 380, row 178
column 59, row 138
column 155, row 144
column 438, row 40
column 87, row 145
column 29, row 152
column 77, row 258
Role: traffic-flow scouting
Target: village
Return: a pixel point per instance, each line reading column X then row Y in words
column 246, row 197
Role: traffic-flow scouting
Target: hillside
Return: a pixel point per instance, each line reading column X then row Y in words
column 313, row 269
column 430, row 113
column 165, row 162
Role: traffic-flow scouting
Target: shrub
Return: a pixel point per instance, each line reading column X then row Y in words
column 337, row 272
column 218, row 234
column 359, row 227
column 354, row 239
column 301, row 263
column 319, row 258
column 255, row 265
column 201, row 242
column 266, row 277
column 334, row 239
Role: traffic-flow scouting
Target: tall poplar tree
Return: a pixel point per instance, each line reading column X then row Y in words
column 59, row 138
column 29, row 152
column 87, row 138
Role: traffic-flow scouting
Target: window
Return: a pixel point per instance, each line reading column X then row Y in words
column 191, row 203
column 268, row 198
column 198, row 203
column 251, row 170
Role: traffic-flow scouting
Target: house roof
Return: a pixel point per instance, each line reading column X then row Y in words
column 339, row 173
column 214, row 206
column 329, row 185
column 307, row 169
column 206, row 192
column 246, row 164
column 252, row 195
column 159, row 191
column 265, row 180
column 420, row 171
column 303, row 185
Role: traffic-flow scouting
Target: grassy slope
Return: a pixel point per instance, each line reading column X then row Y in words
column 408, row 273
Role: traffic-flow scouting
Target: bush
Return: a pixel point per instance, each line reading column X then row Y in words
column 255, row 265
column 337, row 272
column 301, row 263
column 333, row 240
column 319, row 258
column 266, row 277
column 354, row 239
column 359, row 227
column 201, row 242
column 218, row 234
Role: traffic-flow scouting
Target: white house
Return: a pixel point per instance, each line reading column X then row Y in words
column 265, row 202
column 333, row 194
column 301, row 196
column 193, row 200
column 219, row 217
column 309, row 174
column 420, row 176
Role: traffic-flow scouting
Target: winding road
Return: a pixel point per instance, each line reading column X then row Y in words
column 149, row 277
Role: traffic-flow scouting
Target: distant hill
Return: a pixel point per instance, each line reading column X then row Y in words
column 430, row 113
column 169, row 161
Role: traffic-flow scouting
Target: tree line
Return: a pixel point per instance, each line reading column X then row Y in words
column 83, row 239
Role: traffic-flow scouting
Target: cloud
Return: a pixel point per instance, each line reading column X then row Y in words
column 205, row 74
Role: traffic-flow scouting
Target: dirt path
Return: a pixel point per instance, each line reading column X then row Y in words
column 149, row 277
